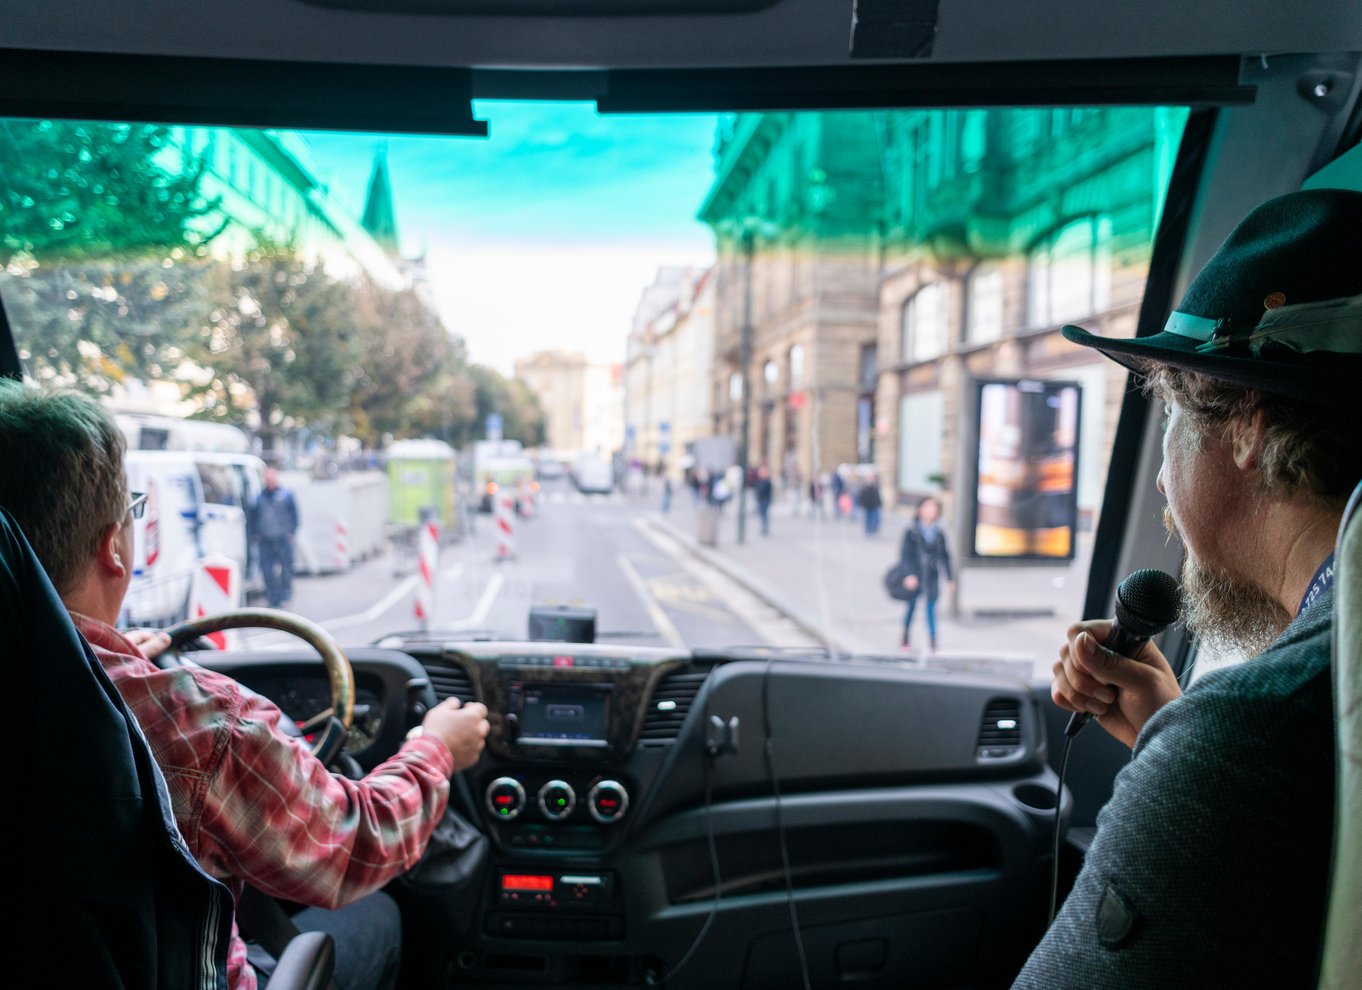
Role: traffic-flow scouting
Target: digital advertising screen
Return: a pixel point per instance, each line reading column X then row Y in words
column 1026, row 480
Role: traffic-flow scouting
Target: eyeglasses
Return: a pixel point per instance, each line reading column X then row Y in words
column 138, row 505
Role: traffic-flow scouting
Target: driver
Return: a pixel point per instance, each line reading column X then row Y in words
column 1210, row 865
column 252, row 803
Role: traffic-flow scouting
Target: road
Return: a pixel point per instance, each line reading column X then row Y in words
column 602, row 551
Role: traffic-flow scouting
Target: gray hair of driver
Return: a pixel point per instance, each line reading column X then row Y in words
column 1308, row 451
column 62, row 476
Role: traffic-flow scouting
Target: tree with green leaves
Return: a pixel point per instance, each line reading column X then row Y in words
column 279, row 348
column 101, row 231
column 73, row 190
column 412, row 379
column 522, row 418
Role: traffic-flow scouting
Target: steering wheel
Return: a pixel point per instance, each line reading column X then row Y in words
column 330, row 727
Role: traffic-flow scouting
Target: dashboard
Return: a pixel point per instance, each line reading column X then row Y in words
column 631, row 797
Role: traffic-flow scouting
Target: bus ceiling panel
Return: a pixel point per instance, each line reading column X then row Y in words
column 170, row 90
column 781, row 33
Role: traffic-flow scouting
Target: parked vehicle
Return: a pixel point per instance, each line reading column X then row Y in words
column 197, row 506
column 420, row 479
column 593, row 476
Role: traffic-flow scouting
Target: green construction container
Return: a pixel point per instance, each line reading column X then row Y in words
column 421, row 477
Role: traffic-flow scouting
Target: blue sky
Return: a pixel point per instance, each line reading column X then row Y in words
column 544, row 234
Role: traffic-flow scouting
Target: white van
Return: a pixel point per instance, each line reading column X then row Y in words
column 593, row 475
column 197, row 505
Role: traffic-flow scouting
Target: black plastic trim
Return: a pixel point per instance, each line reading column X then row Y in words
column 237, row 92
column 1194, row 81
column 1170, row 245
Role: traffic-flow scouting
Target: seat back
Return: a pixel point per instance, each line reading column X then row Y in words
column 1342, row 960
column 107, row 894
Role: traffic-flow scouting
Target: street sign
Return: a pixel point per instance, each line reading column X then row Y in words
column 494, row 426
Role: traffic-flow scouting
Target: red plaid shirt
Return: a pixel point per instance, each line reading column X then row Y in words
column 255, row 805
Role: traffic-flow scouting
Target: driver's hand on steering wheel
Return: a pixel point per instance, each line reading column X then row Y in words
column 462, row 728
column 152, row 642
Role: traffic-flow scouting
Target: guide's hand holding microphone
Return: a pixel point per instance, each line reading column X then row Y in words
column 1125, row 676
column 1123, row 673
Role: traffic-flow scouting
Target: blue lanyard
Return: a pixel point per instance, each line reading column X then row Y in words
column 1322, row 582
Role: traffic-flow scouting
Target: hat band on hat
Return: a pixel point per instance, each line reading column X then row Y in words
column 1198, row 328
column 1332, row 326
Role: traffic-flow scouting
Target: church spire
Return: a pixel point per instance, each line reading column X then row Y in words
column 379, row 218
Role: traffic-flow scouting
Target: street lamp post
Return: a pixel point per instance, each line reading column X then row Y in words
column 745, row 358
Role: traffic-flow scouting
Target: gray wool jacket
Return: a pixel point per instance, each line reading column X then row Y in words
column 1210, row 865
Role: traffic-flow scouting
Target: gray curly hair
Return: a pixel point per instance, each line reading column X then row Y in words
column 1307, row 450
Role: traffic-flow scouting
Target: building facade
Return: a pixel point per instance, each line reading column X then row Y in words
column 558, row 381
column 582, row 401
column 999, row 228
column 668, row 369
column 653, row 395
column 270, row 192
column 885, row 264
column 795, row 208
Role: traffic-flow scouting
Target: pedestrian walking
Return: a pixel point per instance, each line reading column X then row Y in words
column 839, row 487
column 274, row 522
column 667, row 493
column 762, row 490
column 869, row 502
column 815, row 496
column 923, row 557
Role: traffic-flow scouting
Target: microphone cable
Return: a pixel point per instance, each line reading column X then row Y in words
column 1183, row 676
column 714, row 868
column 769, row 759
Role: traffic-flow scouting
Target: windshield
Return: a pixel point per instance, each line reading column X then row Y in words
column 785, row 379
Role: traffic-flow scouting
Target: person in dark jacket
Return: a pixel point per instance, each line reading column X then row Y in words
column 762, row 490
column 1210, row 865
column 924, row 556
column 274, row 525
column 869, row 502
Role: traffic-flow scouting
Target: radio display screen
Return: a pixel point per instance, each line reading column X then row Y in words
column 565, row 715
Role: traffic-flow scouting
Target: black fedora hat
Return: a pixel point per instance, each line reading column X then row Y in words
column 1278, row 308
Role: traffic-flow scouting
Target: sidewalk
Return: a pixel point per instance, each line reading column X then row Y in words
column 826, row 575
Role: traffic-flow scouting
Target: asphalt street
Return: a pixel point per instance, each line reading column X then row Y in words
column 595, row 550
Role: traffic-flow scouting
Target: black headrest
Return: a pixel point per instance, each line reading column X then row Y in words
column 106, row 894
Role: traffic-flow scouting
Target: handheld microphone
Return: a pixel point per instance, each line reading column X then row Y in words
column 1146, row 605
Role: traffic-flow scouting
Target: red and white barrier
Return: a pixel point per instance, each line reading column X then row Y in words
column 341, row 556
column 427, row 566
column 505, row 505
column 215, row 588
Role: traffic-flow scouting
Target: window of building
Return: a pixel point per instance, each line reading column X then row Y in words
column 923, row 324
column 770, row 371
column 984, row 308
column 797, row 366
column 921, row 427
column 868, row 365
column 973, row 140
column 1070, row 273
column 735, row 387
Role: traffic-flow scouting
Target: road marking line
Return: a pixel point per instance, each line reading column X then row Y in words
column 373, row 611
column 479, row 613
column 655, row 613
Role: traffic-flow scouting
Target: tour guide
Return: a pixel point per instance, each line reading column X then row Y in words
column 1210, row 865
column 252, row 803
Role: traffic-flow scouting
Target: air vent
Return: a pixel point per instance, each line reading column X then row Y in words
column 448, row 679
column 1000, row 734
column 669, row 706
